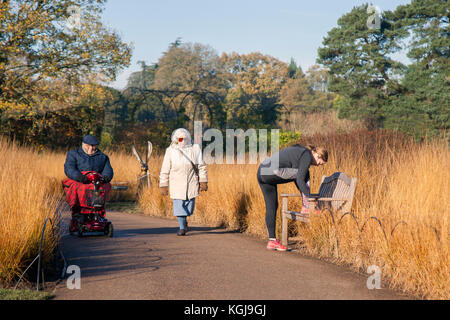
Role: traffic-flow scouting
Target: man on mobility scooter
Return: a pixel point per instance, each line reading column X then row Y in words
column 87, row 188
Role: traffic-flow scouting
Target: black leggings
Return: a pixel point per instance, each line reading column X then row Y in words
column 268, row 185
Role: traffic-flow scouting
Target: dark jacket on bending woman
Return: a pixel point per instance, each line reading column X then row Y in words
column 294, row 163
column 77, row 160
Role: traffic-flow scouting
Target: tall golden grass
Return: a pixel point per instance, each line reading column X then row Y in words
column 400, row 208
column 26, row 201
column 403, row 184
column 31, row 191
column 325, row 122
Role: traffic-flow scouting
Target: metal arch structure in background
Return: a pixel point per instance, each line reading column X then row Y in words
column 203, row 95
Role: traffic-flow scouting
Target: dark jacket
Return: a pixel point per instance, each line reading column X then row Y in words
column 296, row 157
column 77, row 160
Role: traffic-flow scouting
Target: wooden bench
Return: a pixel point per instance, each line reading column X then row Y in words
column 335, row 193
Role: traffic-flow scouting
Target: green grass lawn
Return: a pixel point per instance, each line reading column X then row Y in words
column 11, row 294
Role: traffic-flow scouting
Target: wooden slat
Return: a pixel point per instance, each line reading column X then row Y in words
column 348, row 205
column 341, row 188
column 340, row 192
column 326, row 190
column 297, row 216
column 296, row 213
column 335, row 192
column 338, row 175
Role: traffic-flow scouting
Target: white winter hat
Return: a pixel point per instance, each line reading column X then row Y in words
column 181, row 132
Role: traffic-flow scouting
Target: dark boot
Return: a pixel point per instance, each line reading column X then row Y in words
column 181, row 232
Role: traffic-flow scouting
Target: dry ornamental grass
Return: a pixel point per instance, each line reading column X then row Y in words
column 400, row 211
column 399, row 220
column 30, row 192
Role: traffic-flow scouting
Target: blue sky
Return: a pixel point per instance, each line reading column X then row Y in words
column 282, row 28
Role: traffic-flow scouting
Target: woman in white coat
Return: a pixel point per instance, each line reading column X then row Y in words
column 183, row 173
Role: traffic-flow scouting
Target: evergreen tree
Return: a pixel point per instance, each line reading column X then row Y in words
column 361, row 71
column 423, row 107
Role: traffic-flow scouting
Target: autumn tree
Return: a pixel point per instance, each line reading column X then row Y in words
column 296, row 94
column 254, row 81
column 303, row 94
column 47, row 59
column 318, row 78
column 193, row 75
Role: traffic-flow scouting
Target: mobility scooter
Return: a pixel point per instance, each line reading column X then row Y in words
column 87, row 202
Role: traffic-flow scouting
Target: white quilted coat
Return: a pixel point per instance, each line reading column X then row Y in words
column 178, row 174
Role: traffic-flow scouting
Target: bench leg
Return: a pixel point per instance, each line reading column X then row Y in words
column 284, row 223
column 312, row 206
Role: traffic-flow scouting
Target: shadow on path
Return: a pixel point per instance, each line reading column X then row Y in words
column 145, row 259
column 124, row 233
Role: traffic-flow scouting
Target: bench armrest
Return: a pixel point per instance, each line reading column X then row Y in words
column 313, row 195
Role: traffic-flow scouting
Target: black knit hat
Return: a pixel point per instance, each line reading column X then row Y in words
column 90, row 140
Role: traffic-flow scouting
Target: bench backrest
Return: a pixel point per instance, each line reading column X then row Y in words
column 339, row 186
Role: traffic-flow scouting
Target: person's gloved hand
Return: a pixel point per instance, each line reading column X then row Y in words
column 105, row 179
column 203, row 186
column 164, row 191
column 82, row 178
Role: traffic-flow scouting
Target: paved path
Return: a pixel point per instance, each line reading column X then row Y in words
column 146, row 260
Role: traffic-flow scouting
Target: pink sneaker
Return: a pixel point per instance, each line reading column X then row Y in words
column 275, row 245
